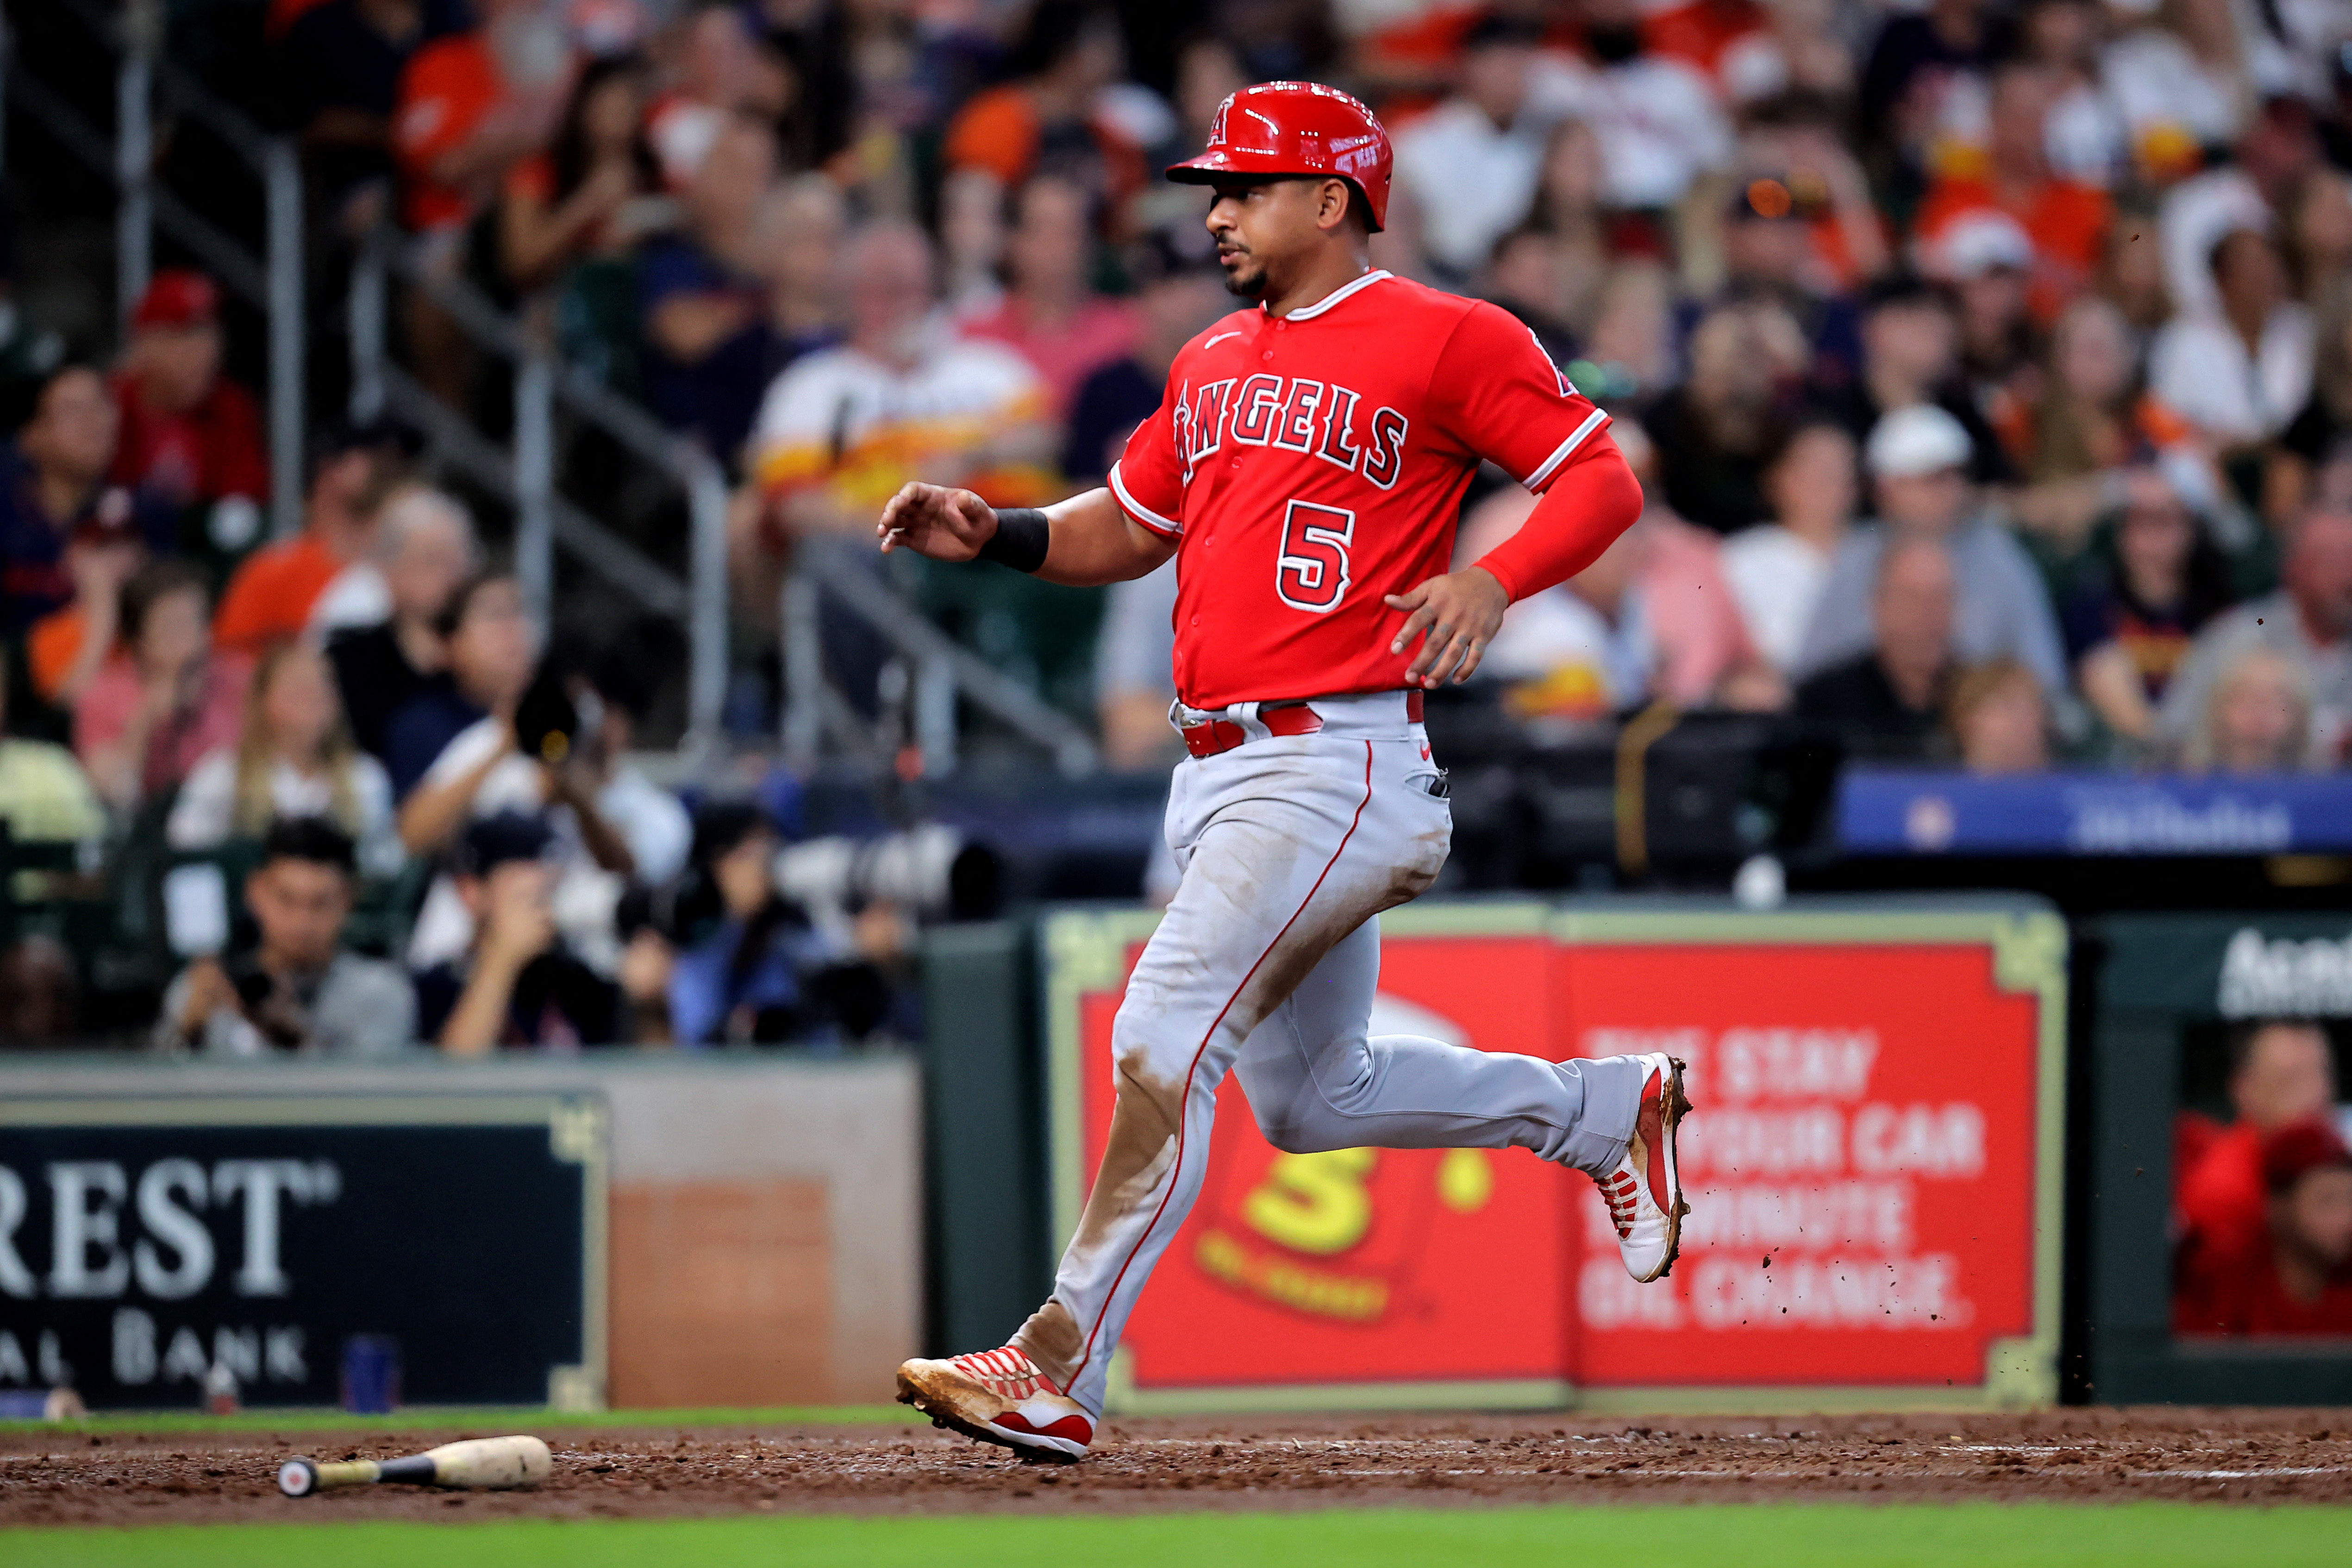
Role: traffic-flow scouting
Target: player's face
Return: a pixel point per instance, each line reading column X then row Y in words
column 1260, row 224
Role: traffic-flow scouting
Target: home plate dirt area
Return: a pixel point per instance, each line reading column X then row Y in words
column 63, row 1477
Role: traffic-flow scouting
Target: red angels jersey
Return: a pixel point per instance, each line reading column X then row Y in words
column 1311, row 464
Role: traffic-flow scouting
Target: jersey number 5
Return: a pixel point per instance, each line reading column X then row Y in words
column 1312, row 574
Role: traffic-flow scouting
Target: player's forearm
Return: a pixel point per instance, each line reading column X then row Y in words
column 1093, row 544
column 1592, row 502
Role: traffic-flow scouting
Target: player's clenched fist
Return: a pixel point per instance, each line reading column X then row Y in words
column 1460, row 612
column 936, row 521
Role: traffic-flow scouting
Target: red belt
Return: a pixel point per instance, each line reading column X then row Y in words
column 1213, row 735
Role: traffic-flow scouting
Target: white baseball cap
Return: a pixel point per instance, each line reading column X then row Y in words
column 1915, row 440
column 1977, row 241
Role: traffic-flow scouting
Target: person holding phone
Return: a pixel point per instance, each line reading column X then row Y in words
column 300, row 990
column 504, row 736
column 516, row 982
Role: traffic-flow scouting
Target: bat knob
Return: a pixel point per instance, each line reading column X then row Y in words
column 298, row 1477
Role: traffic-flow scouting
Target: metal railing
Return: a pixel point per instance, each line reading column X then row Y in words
column 525, row 476
column 271, row 281
column 944, row 670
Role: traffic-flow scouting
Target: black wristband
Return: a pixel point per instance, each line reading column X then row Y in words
column 1020, row 540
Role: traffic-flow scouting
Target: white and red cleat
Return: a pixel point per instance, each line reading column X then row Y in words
column 999, row 1396
column 1644, row 1191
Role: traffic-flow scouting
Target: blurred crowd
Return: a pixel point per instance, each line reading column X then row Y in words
column 1989, row 364
column 362, row 722
column 1988, row 367
column 2262, row 1204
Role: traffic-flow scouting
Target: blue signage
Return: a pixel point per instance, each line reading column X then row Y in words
column 1884, row 812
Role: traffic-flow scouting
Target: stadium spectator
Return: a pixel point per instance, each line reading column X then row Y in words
column 2091, row 418
column 2241, row 373
column 1776, row 569
column 295, row 759
column 593, row 193
column 190, row 436
column 1468, row 169
column 1887, row 701
column 1629, row 350
column 1998, row 721
column 971, row 244
column 702, row 296
column 749, row 968
column 300, row 989
column 338, row 66
column 1918, row 459
column 1910, row 343
column 40, row 993
column 273, row 595
column 2292, row 1275
column 803, row 222
column 1716, row 432
column 1579, row 652
column 1568, row 207
column 1660, row 128
column 1052, row 115
column 2129, row 618
column 45, row 797
column 614, row 701
column 515, row 983
column 1051, row 315
column 424, row 549
column 2066, row 220
column 1919, row 61
column 2316, row 233
column 2257, row 718
column 1704, row 33
column 715, row 76
column 1531, row 275
column 1773, row 250
column 841, row 430
column 481, row 747
column 1985, row 258
column 472, row 105
column 68, row 539
column 2280, row 1074
column 154, row 709
column 490, row 648
column 1134, row 650
column 2321, row 433
column 2307, row 622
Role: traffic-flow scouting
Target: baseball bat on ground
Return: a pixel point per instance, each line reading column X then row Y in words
column 492, row 1464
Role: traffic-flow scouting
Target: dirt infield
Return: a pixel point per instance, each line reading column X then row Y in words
column 73, row 1478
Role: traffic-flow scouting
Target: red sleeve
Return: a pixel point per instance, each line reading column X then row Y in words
column 1497, row 396
column 1148, row 477
column 1586, row 504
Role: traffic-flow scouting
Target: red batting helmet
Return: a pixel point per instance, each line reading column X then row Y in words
column 1280, row 128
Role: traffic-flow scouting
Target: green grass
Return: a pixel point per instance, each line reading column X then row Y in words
column 442, row 1417
column 1802, row 1535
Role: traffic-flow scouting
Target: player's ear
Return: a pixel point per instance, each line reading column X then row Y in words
column 1331, row 204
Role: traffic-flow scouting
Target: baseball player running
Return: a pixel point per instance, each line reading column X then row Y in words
column 1306, row 467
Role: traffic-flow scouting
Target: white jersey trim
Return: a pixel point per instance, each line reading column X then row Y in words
column 1139, row 511
column 1329, row 300
column 1550, row 466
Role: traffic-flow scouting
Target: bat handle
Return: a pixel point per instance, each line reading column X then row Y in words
column 299, row 1478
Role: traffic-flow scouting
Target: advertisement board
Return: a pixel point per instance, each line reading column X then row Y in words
column 145, row 1242
column 1873, row 1167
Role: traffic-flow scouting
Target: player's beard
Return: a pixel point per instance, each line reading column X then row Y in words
column 1248, row 279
